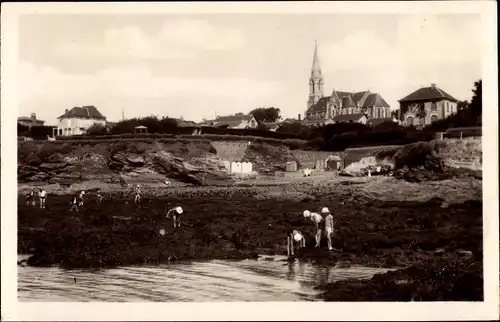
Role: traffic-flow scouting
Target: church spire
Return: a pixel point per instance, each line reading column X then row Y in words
column 316, row 69
column 315, row 81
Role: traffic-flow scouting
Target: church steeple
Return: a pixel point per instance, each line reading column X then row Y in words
column 316, row 69
column 316, row 80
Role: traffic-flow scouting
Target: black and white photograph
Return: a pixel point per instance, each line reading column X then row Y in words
column 250, row 154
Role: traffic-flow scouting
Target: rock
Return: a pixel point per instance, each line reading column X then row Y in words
column 439, row 251
column 51, row 166
column 135, row 159
column 464, row 253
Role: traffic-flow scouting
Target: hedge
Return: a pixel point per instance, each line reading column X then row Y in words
column 167, row 138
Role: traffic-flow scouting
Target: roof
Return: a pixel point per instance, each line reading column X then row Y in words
column 375, row 100
column 428, row 93
column 88, row 112
column 348, row 99
column 184, row 123
column 271, row 125
column 232, row 120
column 347, row 117
column 378, row 121
column 320, row 105
column 140, row 127
column 25, row 118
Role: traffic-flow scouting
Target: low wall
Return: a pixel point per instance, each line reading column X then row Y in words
column 363, row 155
column 230, row 151
column 309, row 159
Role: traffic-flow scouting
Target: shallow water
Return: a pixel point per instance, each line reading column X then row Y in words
column 265, row 279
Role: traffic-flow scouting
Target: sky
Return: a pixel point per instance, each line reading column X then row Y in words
column 200, row 66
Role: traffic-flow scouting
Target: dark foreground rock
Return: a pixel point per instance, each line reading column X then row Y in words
column 436, row 280
column 369, row 232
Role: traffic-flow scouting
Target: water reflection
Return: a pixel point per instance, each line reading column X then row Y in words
column 272, row 279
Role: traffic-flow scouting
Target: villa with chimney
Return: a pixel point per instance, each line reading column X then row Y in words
column 426, row 105
column 77, row 120
column 341, row 106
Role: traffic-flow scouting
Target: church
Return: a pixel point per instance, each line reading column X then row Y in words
column 341, row 106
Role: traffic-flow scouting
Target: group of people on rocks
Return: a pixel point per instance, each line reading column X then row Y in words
column 296, row 240
column 32, row 195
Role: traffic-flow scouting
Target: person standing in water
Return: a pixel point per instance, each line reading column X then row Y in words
column 137, row 197
column 294, row 237
column 328, row 226
column 316, row 219
column 176, row 215
column 43, row 197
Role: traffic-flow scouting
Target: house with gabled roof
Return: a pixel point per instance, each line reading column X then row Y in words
column 77, row 120
column 426, row 105
column 320, row 107
column 238, row 121
column 30, row 121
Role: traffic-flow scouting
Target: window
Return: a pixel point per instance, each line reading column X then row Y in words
column 409, row 121
column 434, row 118
column 433, row 106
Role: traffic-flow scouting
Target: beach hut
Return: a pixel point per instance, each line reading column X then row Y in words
column 333, row 163
column 140, row 129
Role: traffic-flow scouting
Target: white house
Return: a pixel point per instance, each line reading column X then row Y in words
column 77, row 120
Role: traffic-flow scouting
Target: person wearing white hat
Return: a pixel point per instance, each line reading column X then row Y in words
column 316, row 219
column 177, row 212
column 296, row 238
column 80, row 198
column 43, row 197
column 137, row 198
column 328, row 226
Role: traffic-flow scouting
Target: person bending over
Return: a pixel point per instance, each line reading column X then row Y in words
column 316, row 219
column 294, row 238
column 176, row 215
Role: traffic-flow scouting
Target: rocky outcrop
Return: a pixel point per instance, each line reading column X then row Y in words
column 67, row 170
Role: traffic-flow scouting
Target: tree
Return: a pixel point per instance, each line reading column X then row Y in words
column 476, row 103
column 97, row 129
column 269, row 114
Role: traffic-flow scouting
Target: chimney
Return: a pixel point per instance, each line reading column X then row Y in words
column 66, row 111
column 433, row 85
column 299, row 116
column 33, row 116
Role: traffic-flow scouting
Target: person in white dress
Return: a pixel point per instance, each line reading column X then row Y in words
column 43, row 198
column 328, row 226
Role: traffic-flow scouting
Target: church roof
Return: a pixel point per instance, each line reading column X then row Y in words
column 347, row 101
column 320, row 105
column 375, row 100
column 428, row 93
